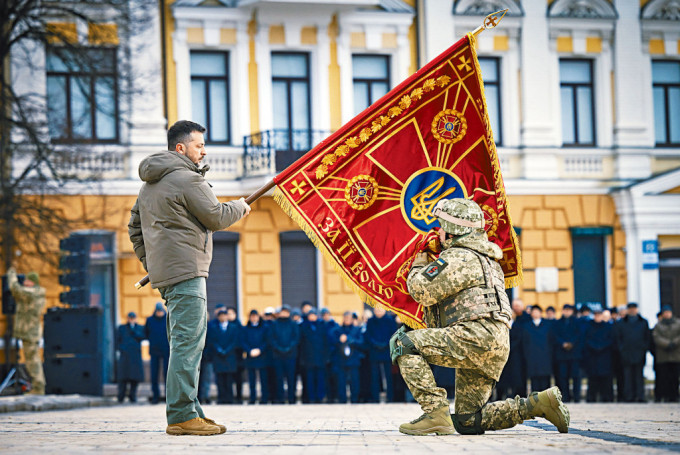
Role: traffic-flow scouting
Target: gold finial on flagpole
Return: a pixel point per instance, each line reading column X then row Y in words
column 490, row 21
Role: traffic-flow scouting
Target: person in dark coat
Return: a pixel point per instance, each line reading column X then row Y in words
column 223, row 339
column 379, row 330
column 314, row 351
column 568, row 336
column 632, row 338
column 599, row 344
column 159, row 348
column 537, row 344
column 513, row 378
column 283, row 339
column 331, row 381
column 347, row 341
column 232, row 316
column 130, row 370
column 205, row 379
column 255, row 347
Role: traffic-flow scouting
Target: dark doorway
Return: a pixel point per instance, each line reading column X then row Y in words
column 223, row 280
column 298, row 269
column 669, row 279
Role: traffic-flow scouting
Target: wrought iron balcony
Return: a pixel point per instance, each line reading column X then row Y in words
column 272, row 151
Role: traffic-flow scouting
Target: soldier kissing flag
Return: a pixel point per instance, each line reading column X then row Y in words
column 365, row 195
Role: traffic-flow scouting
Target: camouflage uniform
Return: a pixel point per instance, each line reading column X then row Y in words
column 468, row 317
column 28, row 326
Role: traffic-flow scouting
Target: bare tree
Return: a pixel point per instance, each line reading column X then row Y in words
column 35, row 161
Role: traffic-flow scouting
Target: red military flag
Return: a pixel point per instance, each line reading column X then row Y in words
column 365, row 195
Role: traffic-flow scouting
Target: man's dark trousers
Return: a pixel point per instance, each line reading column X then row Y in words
column 633, row 383
column 158, row 363
column 569, row 369
column 285, row 370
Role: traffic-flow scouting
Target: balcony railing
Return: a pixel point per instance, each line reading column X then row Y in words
column 272, row 151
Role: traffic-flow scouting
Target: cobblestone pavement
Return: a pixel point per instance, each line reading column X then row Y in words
column 320, row 429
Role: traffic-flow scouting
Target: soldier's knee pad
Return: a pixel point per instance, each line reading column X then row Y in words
column 468, row 423
column 401, row 344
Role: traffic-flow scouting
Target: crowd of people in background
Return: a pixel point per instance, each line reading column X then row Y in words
column 605, row 348
column 333, row 362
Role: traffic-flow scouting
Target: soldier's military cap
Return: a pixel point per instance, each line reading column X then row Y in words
column 459, row 216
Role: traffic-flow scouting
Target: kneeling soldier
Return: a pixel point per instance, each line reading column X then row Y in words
column 467, row 314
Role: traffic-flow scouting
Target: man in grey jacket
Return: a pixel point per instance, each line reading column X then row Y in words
column 171, row 230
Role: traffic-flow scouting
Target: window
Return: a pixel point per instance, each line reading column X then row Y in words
column 298, row 269
column 291, row 104
column 666, row 87
column 223, row 278
column 492, row 91
column 371, row 77
column 210, row 94
column 576, row 87
column 82, row 94
column 588, row 262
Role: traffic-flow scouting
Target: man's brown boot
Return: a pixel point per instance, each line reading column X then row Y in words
column 222, row 428
column 437, row 422
column 197, row 426
column 548, row 404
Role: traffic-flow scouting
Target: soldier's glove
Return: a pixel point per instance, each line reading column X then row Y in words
column 421, row 260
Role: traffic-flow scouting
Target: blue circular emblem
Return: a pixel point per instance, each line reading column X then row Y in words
column 421, row 193
column 448, row 126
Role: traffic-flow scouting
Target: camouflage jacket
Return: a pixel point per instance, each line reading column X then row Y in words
column 455, row 289
column 30, row 306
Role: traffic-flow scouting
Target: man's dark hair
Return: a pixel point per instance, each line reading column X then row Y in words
column 181, row 131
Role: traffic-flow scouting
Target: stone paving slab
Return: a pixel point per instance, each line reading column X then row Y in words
column 17, row 403
column 331, row 429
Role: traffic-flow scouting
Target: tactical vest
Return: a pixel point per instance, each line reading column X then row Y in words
column 486, row 301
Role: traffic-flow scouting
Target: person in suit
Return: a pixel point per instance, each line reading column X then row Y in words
column 347, row 341
column 314, row 351
column 537, row 344
column 223, row 340
column 256, row 362
column 329, row 325
column 283, row 340
column 379, row 330
column 599, row 344
column 159, row 349
column 232, row 316
column 130, row 370
column 206, row 373
column 568, row 336
column 632, row 338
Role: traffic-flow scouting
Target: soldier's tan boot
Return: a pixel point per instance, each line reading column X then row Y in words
column 222, row 428
column 197, row 426
column 437, row 422
column 548, row 404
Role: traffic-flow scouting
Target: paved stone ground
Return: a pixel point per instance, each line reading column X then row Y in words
column 321, row 429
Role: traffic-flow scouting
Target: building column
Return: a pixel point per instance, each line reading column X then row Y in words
column 540, row 107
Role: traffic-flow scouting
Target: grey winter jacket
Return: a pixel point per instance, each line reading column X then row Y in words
column 666, row 335
column 173, row 219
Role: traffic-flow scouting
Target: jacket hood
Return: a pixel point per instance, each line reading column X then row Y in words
column 154, row 167
column 478, row 241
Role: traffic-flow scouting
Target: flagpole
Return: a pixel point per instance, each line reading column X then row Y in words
column 249, row 200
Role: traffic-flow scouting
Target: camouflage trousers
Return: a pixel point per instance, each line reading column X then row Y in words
column 34, row 366
column 478, row 350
